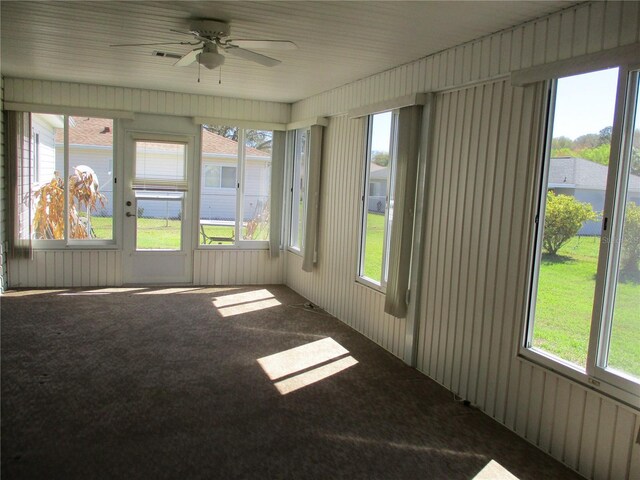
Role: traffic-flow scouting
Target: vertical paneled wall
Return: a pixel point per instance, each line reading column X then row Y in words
column 237, row 267
column 66, row 268
column 474, row 284
column 98, row 268
column 3, row 199
column 45, row 92
column 478, row 202
column 332, row 284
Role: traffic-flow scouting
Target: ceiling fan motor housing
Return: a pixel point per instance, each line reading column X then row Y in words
column 210, row 28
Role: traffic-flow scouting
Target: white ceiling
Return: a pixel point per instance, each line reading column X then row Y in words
column 339, row 42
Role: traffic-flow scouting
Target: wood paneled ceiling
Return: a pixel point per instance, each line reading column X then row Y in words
column 339, row 42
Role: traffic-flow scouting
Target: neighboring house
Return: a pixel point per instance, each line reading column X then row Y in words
column 377, row 188
column 586, row 181
column 91, row 144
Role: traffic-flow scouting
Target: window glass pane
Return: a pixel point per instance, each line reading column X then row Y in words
column 47, row 174
column 218, row 195
column 160, row 161
column 575, row 193
column 90, row 178
column 299, row 187
column 378, row 179
column 159, row 220
column 256, row 185
column 212, row 176
column 624, row 346
column 228, row 177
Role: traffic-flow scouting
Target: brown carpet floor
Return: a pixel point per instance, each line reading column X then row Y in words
column 160, row 383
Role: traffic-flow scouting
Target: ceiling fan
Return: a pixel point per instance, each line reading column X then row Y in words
column 211, row 41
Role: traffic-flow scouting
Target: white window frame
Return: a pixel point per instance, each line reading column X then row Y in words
column 294, row 191
column 82, row 244
column 607, row 381
column 360, row 277
column 238, row 243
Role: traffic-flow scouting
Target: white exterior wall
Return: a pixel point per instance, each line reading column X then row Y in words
column 475, row 271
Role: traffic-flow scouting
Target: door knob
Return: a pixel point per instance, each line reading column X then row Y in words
column 129, row 214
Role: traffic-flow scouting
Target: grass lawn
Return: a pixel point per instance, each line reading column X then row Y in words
column 373, row 246
column 566, row 289
column 158, row 233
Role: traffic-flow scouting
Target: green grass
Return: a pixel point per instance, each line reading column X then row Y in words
column 373, row 247
column 564, row 303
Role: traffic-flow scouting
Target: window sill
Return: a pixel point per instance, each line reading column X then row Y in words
column 574, row 373
column 372, row 285
column 295, row 251
column 78, row 247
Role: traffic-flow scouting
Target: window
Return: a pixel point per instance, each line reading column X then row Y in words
column 160, row 181
column 216, row 176
column 584, row 314
column 235, row 185
column 299, row 180
column 71, row 188
column 377, row 198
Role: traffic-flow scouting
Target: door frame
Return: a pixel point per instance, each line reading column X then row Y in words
column 153, row 267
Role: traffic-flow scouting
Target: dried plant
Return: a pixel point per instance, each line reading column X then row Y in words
column 48, row 221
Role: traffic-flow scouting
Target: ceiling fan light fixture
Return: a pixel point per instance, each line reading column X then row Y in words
column 210, row 59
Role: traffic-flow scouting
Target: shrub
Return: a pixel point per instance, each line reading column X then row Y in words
column 563, row 219
column 630, row 254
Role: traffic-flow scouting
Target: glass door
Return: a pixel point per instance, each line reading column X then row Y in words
column 157, row 229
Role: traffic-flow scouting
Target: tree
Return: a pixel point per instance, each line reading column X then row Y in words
column 258, row 139
column 380, row 158
column 599, row 154
column 630, row 251
column 564, row 217
column 605, row 135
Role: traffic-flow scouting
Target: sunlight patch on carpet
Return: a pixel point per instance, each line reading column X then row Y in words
column 494, row 471
column 307, row 364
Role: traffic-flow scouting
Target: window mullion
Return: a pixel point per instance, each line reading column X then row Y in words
column 605, row 278
column 240, row 185
column 65, row 181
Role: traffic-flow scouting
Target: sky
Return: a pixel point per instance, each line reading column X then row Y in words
column 584, row 104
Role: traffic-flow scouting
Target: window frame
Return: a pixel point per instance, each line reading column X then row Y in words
column 296, row 161
column 617, row 385
column 240, row 167
column 393, row 138
column 69, row 243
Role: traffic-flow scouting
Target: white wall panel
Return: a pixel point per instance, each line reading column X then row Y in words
column 332, row 284
column 474, row 289
column 3, row 200
column 66, row 268
column 586, row 28
column 237, row 267
column 44, row 92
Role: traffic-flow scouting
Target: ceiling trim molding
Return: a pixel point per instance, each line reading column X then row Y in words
column 240, row 123
column 63, row 110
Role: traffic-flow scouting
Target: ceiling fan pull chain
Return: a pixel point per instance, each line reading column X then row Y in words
column 198, row 72
column 220, row 77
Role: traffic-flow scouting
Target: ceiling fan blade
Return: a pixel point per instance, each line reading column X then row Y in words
column 252, row 56
column 264, row 44
column 189, row 58
column 149, row 44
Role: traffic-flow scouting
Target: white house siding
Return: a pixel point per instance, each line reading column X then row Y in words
column 472, row 297
column 46, row 149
